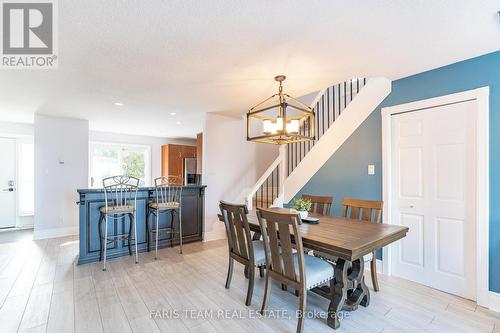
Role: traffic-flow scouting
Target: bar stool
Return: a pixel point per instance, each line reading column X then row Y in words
column 167, row 200
column 120, row 197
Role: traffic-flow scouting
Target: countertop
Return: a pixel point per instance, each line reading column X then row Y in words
column 148, row 188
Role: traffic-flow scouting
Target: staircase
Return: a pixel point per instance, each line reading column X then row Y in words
column 339, row 109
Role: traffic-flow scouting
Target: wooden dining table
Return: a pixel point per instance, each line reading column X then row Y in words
column 348, row 241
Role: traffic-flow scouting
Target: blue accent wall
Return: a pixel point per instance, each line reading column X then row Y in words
column 345, row 173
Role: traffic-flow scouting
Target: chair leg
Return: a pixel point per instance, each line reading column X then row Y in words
column 373, row 271
column 157, row 218
column 283, row 287
column 172, row 227
column 267, row 291
column 135, row 239
column 180, row 230
column 229, row 273
column 148, row 229
column 251, row 279
column 105, row 241
column 130, row 235
column 261, row 271
column 245, row 272
column 302, row 309
column 100, row 237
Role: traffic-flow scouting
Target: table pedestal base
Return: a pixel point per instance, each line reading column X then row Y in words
column 347, row 290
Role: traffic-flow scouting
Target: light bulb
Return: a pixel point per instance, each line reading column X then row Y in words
column 268, row 127
column 279, row 124
column 292, row 127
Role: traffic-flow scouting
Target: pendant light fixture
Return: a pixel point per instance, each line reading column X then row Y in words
column 280, row 119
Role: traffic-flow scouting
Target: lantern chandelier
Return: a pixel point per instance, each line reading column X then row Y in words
column 280, row 119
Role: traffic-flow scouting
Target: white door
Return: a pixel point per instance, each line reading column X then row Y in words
column 7, row 185
column 433, row 186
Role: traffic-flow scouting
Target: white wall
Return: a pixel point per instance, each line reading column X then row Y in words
column 15, row 130
column 154, row 143
column 230, row 165
column 61, row 167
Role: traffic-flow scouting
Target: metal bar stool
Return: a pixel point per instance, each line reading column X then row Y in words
column 120, row 197
column 167, row 200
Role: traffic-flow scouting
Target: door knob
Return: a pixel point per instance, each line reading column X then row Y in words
column 10, row 189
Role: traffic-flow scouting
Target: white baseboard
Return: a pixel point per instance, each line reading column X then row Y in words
column 15, row 229
column 25, row 226
column 54, row 232
column 216, row 234
column 494, row 301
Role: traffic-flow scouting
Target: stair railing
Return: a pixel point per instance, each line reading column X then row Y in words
column 328, row 106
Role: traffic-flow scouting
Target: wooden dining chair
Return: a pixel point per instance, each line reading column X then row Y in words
column 293, row 268
column 320, row 204
column 242, row 248
column 365, row 210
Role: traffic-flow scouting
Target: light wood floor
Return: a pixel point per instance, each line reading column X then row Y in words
column 43, row 290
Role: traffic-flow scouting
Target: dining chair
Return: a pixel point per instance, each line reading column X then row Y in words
column 120, row 203
column 369, row 211
column 166, row 200
column 320, row 204
column 292, row 268
column 242, row 248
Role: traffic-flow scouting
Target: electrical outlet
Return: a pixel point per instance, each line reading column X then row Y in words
column 371, row 169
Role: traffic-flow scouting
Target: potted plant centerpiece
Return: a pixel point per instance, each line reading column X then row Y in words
column 302, row 206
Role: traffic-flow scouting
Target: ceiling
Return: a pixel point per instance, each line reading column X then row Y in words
column 191, row 57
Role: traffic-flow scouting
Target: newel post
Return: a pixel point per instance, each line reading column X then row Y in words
column 282, row 174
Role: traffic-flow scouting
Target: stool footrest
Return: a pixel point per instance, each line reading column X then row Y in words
column 118, row 236
column 163, row 229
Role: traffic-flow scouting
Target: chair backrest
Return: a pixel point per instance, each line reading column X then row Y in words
column 281, row 235
column 167, row 189
column 365, row 210
column 320, row 204
column 238, row 234
column 120, row 191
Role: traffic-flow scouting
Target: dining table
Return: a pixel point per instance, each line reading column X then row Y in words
column 346, row 242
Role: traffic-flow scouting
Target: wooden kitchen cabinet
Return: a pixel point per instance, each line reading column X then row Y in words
column 172, row 159
column 188, row 152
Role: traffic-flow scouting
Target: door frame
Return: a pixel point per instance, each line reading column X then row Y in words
column 481, row 96
column 16, row 201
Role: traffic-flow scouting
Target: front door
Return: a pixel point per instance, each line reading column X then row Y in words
column 433, row 186
column 7, row 183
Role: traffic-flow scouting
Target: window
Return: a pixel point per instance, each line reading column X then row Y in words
column 110, row 159
column 26, row 188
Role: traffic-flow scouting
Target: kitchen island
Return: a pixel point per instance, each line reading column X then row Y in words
column 193, row 201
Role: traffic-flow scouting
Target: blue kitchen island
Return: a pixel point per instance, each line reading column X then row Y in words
column 193, row 201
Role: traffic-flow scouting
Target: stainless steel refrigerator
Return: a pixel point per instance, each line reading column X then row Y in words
column 190, row 176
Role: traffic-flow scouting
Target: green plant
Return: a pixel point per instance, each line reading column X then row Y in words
column 133, row 165
column 302, row 204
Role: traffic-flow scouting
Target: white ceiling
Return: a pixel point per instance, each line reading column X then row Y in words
column 193, row 57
